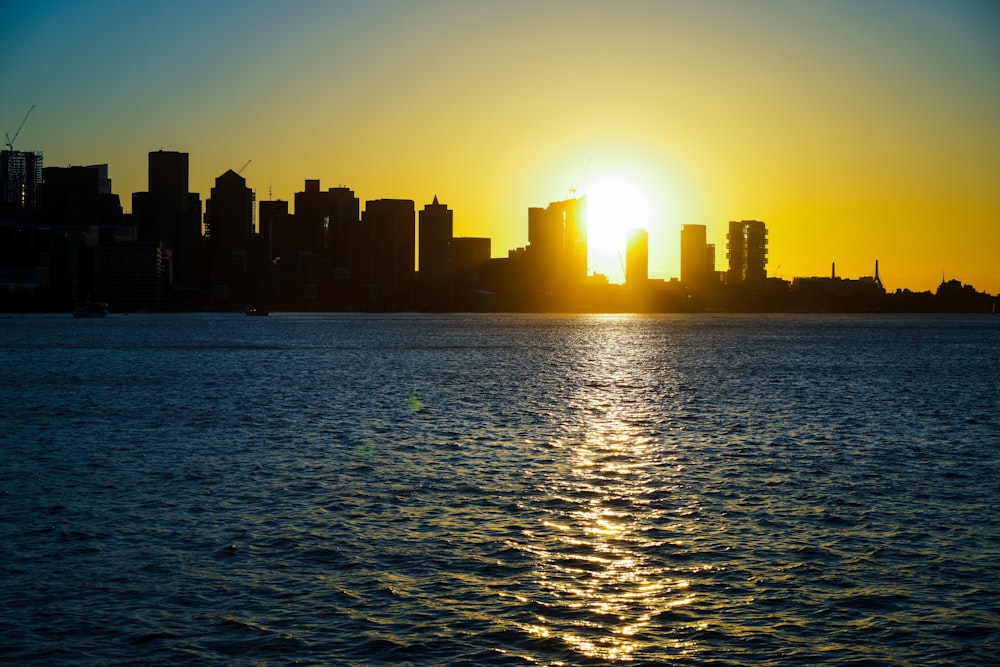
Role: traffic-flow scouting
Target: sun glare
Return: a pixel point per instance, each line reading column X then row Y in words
column 613, row 208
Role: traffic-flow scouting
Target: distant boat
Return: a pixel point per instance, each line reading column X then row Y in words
column 91, row 309
column 254, row 311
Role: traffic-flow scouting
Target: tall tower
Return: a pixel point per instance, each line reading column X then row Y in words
column 229, row 225
column 747, row 243
column 557, row 236
column 436, row 225
column 272, row 214
column 229, row 215
column 342, row 232
column 170, row 216
column 311, row 210
column 329, row 223
column 695, row 268
column 389, row 244
column 637, row 258
column 20, row 179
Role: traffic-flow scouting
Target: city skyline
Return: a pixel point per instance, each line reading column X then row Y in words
column 855, row 132
column 328, row 254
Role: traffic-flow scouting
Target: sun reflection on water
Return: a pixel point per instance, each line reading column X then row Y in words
column 600, row 577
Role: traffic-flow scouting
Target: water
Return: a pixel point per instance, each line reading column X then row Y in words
column 499, row 490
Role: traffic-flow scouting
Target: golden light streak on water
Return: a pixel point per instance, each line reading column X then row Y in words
column 597, row 562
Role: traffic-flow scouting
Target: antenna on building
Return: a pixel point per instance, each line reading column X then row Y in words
column 239, row 172
column 10, row 140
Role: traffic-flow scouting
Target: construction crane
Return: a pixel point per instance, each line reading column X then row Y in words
column 245, row 165
column 10, row 139
column 572, row 188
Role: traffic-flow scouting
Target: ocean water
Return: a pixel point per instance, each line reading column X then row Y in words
column 355, row 489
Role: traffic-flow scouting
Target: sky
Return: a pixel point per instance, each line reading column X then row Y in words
column 857, row 130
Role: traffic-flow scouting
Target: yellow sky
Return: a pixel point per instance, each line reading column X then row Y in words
column 857, row 131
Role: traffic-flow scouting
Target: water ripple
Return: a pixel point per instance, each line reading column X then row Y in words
column 533, row 490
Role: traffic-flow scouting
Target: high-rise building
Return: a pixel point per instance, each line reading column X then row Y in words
column 469, row 257
column 94, row 254
column 697, row 256
column 80, row 196
column 342, row 228
column 229, row 215
column 637, row 258
column 229, row 228
column 434, row 256
column 20, row 179
column 273, row 218
column 389, row 233
column 170, row 216
column 311, row 212
column 747, row 254
column 330, row 223
column 168, row 173
column 557, row 239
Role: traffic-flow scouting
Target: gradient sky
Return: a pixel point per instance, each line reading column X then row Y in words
column 857, row 130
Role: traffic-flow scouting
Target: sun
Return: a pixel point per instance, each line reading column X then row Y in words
column 614, row 206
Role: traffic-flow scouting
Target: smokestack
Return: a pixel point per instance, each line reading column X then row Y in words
column 833, row 270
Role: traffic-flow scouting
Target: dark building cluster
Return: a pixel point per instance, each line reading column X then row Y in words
column 64, row 239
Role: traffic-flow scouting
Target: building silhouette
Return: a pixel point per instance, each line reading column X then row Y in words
column 80, row 196
column 388, row 248
column 64, row 238
column 311, row 212
column 229, row 215
column 229, row 223
column 302, row 242
column 315, row 257
column 470, row 256
column 169, row 216
column 697, row 256
column 94, row 250
column 557, row 244
column 272, row 217
column 434, row 256
column 637, row 258
column 329, row 228
column 20, row 179
column 343, row 229
column 747, row 251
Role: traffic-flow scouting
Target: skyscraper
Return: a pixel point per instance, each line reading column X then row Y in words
column 388, row 250
column 229, row 215
column 469, row 257
column 697, row 256
column 273, row 217
column 342, row 228
column 747, row 254
column 311, row 212
column 557, row 239
column 329, row 220
column 229, row 227
column 80, row 196
column 637, row 258
column 170, row 216
column 20, row 179
column 436, row 225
